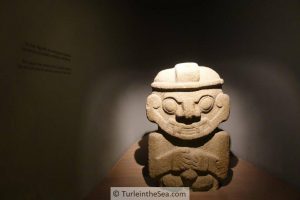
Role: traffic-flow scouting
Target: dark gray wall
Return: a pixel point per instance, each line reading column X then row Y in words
column 60, row 134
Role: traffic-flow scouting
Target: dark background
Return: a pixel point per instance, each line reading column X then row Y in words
column 60, row 134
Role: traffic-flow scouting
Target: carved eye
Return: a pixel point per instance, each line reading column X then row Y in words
column 170, row 106
column 206, row 103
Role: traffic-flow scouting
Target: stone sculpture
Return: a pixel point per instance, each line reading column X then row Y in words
column 188, row 149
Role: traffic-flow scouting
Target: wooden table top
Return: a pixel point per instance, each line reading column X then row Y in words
column 247, row 182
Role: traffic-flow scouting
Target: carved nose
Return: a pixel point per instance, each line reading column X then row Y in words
column 189, row 110
column 190, row 114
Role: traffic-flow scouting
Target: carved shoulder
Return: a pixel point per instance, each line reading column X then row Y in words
column 219, row 143
column 221, row 136
column 158, row 144
column 155, row 138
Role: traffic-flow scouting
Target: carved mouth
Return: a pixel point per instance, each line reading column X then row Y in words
column 189, row 129
column 184, row 131
column 187, row 121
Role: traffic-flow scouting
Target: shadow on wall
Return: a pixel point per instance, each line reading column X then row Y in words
column 117, row 49
column 263, row 121
column 225, row 36
column 265, row 108
column 115, row 119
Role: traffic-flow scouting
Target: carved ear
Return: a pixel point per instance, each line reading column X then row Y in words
column 153, row 102
column 222, row 101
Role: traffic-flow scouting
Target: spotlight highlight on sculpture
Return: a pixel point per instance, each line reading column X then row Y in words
column 188, row 149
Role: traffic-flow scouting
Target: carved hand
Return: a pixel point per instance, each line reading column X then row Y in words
column 200, row 160
column 217, row 167
column 181, row 159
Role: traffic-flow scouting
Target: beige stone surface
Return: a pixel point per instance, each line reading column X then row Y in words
column 188, row 149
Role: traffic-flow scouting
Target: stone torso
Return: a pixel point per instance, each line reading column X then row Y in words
column 197, row 164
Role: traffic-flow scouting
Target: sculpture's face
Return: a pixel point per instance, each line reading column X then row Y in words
column 188, row 114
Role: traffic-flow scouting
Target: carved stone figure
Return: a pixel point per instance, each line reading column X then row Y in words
column 188, row 149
